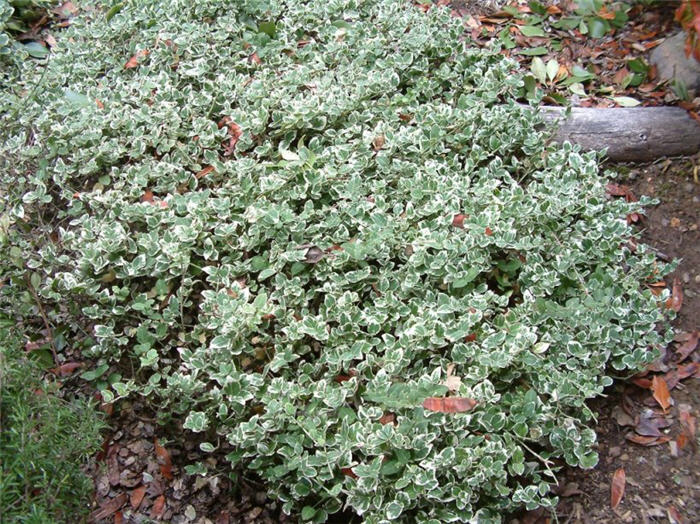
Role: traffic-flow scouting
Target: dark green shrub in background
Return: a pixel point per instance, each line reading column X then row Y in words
column 44, row 442
column 284, row 221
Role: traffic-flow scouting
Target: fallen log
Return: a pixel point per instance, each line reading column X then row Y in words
column 630, row 134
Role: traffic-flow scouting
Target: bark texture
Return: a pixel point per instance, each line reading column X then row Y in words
column 636, row 134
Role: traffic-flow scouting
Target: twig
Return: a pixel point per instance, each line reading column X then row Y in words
column 44, row 317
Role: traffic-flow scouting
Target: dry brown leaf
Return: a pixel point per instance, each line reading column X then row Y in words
column 109, row 508
column 686, row 348
column 458, row 221
column 449, row 405
column 158, row 507
column 137, row 497
column 647, row 441
column 617, row 488
column 133, row 62
column 389, row 418
column 675, row 301
column 66, row 369
column 674, row 516
column 166, row 465
column 204, row 172
column 659, row 389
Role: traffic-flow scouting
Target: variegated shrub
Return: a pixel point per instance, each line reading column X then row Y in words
column 282, row 220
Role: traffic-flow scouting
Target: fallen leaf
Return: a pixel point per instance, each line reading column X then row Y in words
column 643, row 383
column 118, row 518
column 622, row 418
column 158, row 507
column 113, row 466
column 688, row 421
column 617, row 190
column 147, row 196
column 389, row 418
column 674, row 515
column 348, row 472
column 109, row 508
column 137, row 497
column 449, row 405
column 617, row 488
column 204, row 172
column 314, row 255
column 66, row 369
column 688, row 370
column 458, row 221
column 686, row 348
column 647, row 441
column 166, row 465
column 133, row 62
column 488, row 231
column 471, row 337
column 675, row 301
column 255, row 59
column 659, row 389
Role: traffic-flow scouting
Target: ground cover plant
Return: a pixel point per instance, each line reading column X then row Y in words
column 324, row 237
column 44, row 441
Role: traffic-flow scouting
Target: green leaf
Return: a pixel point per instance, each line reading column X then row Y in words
column 531, row 30
column 269, row 28
column 534, row 51
column 598, row 28
column 307, row 513
column 77, row 99
column 114, row 10
column 95, row 373
column 196, row 421
column 552, row 69
column 36, row 50
column 626, row 101
column 539, row 70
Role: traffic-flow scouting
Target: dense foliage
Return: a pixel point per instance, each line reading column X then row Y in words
column 16, row 17
column 44, row 441
column 283, row 221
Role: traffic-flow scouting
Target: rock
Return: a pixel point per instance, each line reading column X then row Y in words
column 671, row 62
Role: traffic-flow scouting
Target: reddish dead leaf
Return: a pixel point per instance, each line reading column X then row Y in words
column 166, row 465
column 471, row 337
column 113, row 472
column 389, row 418
column 643, row 383
column 617, row 190
column 66, row 369
column 268, row 316
column 158, row 507
column 255, row 59
column 674, row 516
column 133, row 62
column 118, row 518
column 137, row 497
column 617, row 488
column 647, row 441
column 458, row 221
column 204, row 172
column 109, row 508
column 342, row 378
column 688, row 421
column 686, row 348
column 675, row 301
column 659, row 389
column 688, row 370
column 348, row 472
column 147, row 196
column 449, row 405
column 553, row 10
column 488, row 231
column 99, row 103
